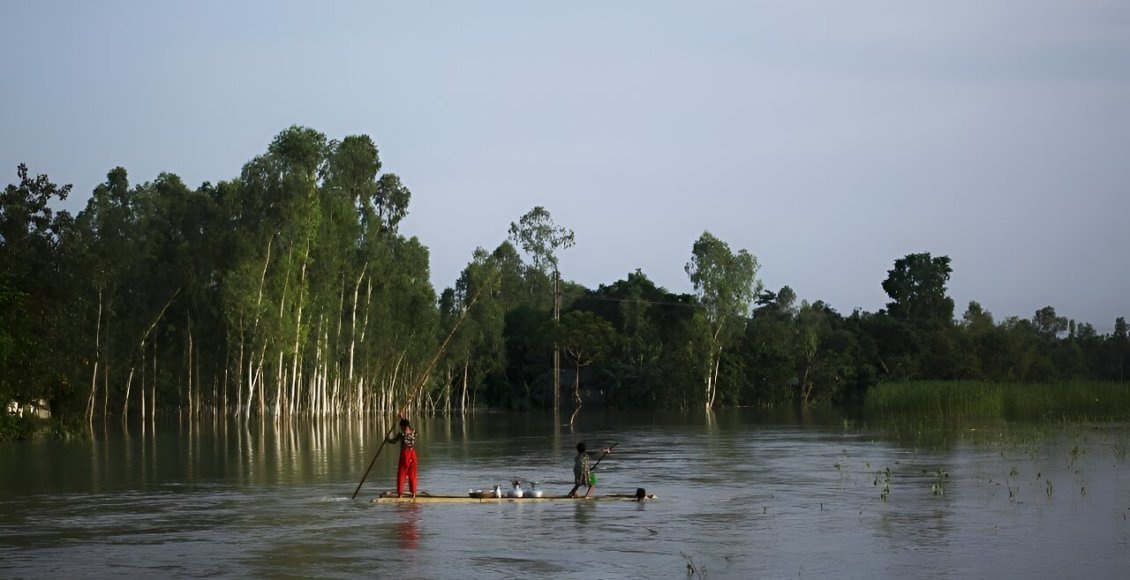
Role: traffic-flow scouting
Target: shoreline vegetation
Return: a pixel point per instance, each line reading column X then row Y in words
column 898, row 405
column 288, row 291
column 1073, row 401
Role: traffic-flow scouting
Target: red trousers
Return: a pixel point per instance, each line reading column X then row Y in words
column 406, row 467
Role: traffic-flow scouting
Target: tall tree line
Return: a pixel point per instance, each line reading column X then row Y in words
column 286, row 291
column 289, row 291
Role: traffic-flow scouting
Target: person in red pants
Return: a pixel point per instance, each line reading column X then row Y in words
column 406, row 467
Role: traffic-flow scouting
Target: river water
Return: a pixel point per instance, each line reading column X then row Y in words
column 740, row 495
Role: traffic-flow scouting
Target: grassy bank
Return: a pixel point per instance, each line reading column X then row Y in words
column 1017, row 401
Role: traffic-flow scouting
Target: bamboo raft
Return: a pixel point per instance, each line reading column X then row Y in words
column 424, row 497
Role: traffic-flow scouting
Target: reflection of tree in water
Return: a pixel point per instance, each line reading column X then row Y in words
column 409, row 527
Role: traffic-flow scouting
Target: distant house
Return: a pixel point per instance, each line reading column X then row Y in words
column 37, row 408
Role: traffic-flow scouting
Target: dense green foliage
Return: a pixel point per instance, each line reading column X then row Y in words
column 288, row 290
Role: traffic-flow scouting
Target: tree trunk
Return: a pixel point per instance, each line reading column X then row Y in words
column 466, row 372
column 556, row 349
column 143, row 370
column 713, row 364
column 364, row 330
column 106, row 350
column 239, row 369
column 254, row 331
column 576, row 394
column 125, row 403
column 188, row 367
column 97, row 359
column 714, row 378
column 153, row 382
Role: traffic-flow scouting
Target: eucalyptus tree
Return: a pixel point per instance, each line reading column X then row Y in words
column 492, row 284
column 321, row 380
column 135, row 248
column 350, row 184
column 325, row 301
column 401, row 315
column 166, row 279
column 199, row 238
column 538, row 236
column 725, row 283
column 109, row 228
column 280, row 210
column 396, row 324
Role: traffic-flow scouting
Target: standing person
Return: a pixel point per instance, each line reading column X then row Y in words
column 406, row 466
column 582, row 470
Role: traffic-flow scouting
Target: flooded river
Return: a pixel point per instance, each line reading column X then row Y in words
column 740, row 495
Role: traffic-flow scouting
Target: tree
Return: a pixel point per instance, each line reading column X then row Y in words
column 768, row 349
column 725, row 283
column 1047, row 324
column 1119, row 349
column 478, row 348
column 824, row 355
column 585, row 338
column 32, row 289
column 917, row 287
column 977, row 318
column 652, row 363
column 540, row 238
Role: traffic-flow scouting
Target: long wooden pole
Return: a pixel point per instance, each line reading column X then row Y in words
column 420, row 382
column 593, row 468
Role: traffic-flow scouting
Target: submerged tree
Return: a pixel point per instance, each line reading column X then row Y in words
column 540, row 238
column 725, row 283
column 585, row 338
column 33, row 290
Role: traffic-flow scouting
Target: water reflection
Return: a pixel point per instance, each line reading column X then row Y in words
column 408, row 529
column 741, row 494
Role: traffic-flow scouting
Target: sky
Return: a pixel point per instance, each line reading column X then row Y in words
column 827, row 138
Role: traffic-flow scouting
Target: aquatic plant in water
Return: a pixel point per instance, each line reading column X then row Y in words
column 885, row 477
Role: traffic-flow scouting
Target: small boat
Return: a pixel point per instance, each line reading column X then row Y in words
column 490, row 496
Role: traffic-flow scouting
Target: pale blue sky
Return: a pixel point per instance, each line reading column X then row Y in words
column 827, row 138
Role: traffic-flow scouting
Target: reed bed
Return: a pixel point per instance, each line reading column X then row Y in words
column 1012, row 401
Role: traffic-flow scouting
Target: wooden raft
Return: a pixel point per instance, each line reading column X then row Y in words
column 424, row 497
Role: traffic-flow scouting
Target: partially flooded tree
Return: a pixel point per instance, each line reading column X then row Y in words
column 585, row 338
column 31, row 290
column 726, row 284
column 540, row 238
